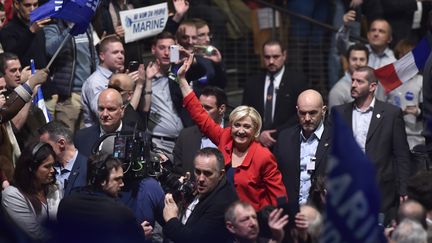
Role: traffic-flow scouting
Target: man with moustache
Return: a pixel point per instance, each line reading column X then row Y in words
column 379, row 130
column 274, row 92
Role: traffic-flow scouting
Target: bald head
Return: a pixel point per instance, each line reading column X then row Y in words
column 110, row 109
column 311, row 97
column 121, row 81
column 412, row 210
column 314, row 218
column 123, row 84
column 310, row 110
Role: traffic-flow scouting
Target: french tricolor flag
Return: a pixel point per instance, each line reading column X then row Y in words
column 395, row 74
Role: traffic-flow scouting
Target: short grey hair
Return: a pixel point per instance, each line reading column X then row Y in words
column 409, row 231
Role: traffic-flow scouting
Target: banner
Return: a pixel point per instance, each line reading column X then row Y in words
column 79, row 12
column 144, row 22
column 353, row 198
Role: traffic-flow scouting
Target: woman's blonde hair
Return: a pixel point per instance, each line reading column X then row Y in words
column 241, row 112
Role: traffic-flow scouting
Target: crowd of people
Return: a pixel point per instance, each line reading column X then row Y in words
column 199, row 174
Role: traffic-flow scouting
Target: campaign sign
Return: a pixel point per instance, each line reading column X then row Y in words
column 144, row 22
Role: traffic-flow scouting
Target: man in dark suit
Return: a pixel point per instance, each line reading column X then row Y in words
column 71, row 166
column 203, row 219
column 379, row 129
column 190, row 140
column 274, row 92
column 111, row 110
column 144, row 197
column 302, row 150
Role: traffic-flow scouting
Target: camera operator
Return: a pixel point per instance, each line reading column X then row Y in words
column 95, row 214
column 203, row 219
column 144, row 197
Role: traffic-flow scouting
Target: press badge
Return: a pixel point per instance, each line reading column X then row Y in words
column 311, row 164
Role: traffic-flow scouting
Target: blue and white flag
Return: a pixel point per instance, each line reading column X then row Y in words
column 79, row 12
column 353, row 198
column 38, row 100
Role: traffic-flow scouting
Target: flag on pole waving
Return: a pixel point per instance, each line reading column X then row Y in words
column 79, row 12
column 395, row 74
column 38, row 99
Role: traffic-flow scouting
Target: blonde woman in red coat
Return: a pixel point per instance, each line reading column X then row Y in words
column 249, row 166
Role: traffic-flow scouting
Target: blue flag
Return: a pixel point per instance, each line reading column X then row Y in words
column 353, row 198
column 79, row 12
column 38, row 99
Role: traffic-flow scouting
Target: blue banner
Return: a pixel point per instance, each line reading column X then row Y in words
column 353, row 198
column 79, row 12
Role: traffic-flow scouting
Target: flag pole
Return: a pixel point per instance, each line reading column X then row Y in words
column 58, row 50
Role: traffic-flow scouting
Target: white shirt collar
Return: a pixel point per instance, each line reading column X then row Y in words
column 318, row 132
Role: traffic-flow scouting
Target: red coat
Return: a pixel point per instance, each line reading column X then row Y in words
column 257, row 180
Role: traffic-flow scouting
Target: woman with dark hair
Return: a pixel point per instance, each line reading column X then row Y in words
column 33, row 197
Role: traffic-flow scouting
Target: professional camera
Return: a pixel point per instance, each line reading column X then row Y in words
column 140, row 160
column 135, row 150
column 182, row 190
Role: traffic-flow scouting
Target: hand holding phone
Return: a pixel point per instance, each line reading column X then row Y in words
column 133, row 66
column 174, row 53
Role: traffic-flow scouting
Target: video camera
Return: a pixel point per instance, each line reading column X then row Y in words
column 140, row 160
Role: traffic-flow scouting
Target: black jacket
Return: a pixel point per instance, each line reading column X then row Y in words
column 17, row 38
column 206, row 222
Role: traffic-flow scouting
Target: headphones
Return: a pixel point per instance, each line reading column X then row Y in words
column 99, row 169
column 36, row 149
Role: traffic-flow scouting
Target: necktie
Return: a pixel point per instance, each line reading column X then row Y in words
column 269, row 105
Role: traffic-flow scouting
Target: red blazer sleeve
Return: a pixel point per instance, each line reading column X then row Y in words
column 205, row 123
column 272, row 179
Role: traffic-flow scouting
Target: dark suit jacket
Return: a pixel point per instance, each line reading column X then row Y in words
column 387, row 148
column 187, row 145
column 78, row 175
column 292, row 84
column 85, row 138
column 287, row 152
column 206, row 222
column 96, row 217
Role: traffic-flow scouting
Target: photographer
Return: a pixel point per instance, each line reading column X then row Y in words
column 95, row 213
column 203, row 219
